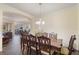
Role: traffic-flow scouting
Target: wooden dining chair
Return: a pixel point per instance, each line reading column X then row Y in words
column 25, row 45
column 44, row 45
column 21, row 41
column 33, row 43
column 68, row 50
column 6, row 38
column 71, row 43
column 9, row 34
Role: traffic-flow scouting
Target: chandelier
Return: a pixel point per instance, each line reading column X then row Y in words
column 40, row 21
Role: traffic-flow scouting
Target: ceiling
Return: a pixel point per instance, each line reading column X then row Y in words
column 34, row 8
column 15, row 17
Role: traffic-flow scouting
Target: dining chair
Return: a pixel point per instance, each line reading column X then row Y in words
column 21, row 41
column 68, row 50
column 44, row 45
column 6, row 38
column 33, row 43
column 9, row 34
column 25, row 45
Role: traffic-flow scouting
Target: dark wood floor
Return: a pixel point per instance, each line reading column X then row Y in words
column 13, row 47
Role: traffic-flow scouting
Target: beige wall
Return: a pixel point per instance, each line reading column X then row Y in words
column 63, row 22
column 78, row 25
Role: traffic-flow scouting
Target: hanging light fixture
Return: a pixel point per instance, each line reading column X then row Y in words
column 40, row 21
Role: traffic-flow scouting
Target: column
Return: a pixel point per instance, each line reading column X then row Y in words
column 1, row 17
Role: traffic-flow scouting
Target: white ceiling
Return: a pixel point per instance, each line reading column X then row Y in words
column 14, row 17
column 34, row 8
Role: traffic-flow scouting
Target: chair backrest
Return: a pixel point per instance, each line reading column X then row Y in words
column 44, row 44
column 71, row 42
column 44, row 40
column 53, row 36
column 23, row 33
column 24, row 38
column 9, row 34
column 32, row 43
column 32, row 37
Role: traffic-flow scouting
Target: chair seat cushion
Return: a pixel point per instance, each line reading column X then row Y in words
column 64, row 51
